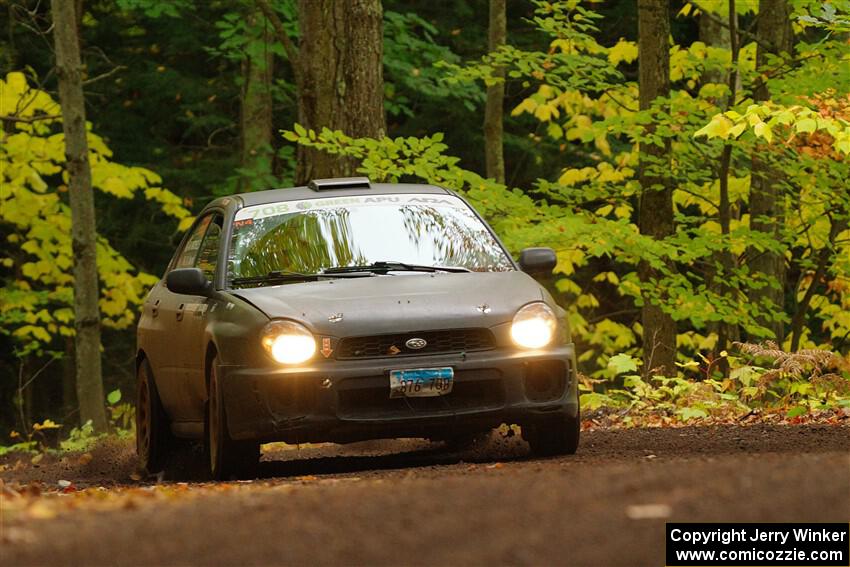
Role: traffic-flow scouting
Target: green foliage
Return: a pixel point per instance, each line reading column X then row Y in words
column 22, row 447
column 40, row 437
column 587, row 209
column 791, row 385
column 574, row 60
column 622, row 363
column 410, row 54
column 122, row 416
column 121, row 419
column 81, row 438
column 832, row 16
column 156, row 8
column 113, row 397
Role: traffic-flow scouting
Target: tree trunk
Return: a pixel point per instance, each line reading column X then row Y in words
column 10, row 54
column 656, row 201
column 493, row 113
column 726, row 331
column 69, row 71
column 766, row 204
column 342, row 82
column 256, row 118
column 69, row 395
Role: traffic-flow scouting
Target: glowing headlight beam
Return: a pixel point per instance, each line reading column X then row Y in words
column 534, row 326
column 288, row 342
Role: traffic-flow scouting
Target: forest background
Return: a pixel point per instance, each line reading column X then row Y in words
column 688, row 161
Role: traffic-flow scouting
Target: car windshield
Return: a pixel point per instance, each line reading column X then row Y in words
column 313, row 235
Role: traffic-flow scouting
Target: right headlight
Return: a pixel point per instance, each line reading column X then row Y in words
column 534, row 326
column 288, row 342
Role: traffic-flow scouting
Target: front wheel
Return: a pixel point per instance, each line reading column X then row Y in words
column 554, row 437
column 153, row 435
column 228, row 458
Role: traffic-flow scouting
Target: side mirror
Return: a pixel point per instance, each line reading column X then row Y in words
column 538, row 261
column 188, row 281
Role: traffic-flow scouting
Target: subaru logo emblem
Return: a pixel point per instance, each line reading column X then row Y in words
column 416, row 343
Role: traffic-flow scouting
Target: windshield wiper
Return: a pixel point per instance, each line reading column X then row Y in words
column 274, row 277
column 383, row 267
column 279, row 276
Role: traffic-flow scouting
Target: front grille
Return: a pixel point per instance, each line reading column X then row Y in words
column 365, row 398
column 447, row 341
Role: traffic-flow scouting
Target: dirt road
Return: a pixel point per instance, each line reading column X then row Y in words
column 408, row 502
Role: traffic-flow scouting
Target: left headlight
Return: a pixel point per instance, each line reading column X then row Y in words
column 288, row 342
column 534, row 326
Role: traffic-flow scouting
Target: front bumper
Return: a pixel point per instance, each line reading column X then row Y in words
column 344, row 401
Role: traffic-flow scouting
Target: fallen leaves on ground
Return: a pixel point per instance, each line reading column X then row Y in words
column 39, row 501
column 648, row 511
column 607, row 418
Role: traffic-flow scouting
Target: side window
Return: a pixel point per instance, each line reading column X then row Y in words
column 208, row 256
column 187, row 256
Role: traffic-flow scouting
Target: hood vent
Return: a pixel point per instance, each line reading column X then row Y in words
column 340, row 183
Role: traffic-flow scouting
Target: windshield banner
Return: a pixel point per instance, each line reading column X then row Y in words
column 273, row 209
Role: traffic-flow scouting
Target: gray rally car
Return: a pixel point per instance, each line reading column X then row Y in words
column 345, row 311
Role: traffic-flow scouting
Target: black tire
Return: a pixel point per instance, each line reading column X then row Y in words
column 153, row 433
column 227, row 458
column 554, row 437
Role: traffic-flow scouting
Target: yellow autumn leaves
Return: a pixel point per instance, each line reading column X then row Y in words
column 35, row 303
column 763, row 118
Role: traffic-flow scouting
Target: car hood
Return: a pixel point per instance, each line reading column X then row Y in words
column 398, row 303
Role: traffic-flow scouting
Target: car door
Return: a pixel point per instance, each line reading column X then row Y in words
column 192, row 338
column 167, row 336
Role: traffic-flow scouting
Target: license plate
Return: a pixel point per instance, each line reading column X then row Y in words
column 421, row 382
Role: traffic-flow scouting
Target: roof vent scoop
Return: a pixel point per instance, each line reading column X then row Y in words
column 339, row 183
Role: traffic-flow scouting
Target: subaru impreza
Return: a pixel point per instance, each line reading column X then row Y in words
column 344, row 311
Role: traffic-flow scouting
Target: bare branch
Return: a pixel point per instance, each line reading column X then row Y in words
column 34, row 376
column 29, row 119
column 617, row 102
column 105, row 75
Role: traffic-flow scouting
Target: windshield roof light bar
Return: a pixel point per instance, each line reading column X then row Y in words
column 339, row 183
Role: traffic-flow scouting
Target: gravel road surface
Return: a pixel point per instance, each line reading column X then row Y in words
column 408, row 502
